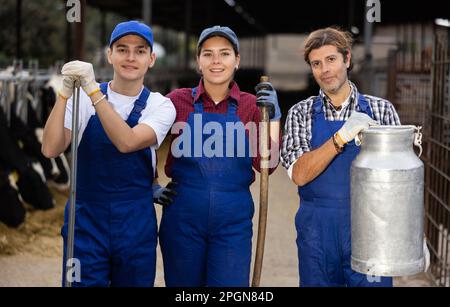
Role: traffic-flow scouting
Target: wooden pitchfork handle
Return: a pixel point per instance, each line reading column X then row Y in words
column 263, row 191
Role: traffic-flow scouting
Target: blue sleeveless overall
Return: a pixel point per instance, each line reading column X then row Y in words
column 323, row 219
column 206, row 233
column 115, row 225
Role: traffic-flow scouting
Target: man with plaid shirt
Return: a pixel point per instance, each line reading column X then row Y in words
column 318, row 149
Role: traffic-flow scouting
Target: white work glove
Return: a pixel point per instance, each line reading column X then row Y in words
column 66, row 90
column 355, row 124
column 85, row 72
column 426, row 255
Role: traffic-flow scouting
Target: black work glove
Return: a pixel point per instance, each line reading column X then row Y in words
column 266, row 96
column 162, row 195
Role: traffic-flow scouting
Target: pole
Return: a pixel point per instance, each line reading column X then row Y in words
column 73, row 185
column 79, row 33
column 263, row 191
column 187, row 32
column 368, row 42
column 19, row 29
column 147, row 11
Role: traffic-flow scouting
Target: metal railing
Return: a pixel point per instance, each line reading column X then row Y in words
column 419, row 86
column 437, row 180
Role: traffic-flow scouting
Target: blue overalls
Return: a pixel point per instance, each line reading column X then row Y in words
column 323, row 219
column 206, row 233
column 115, row 226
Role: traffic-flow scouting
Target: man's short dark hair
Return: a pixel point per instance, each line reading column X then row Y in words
column 342, row 40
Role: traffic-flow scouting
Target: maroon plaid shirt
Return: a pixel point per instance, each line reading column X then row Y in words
column 247, row 111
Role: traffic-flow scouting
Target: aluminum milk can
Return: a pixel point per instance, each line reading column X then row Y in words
column 387, row 211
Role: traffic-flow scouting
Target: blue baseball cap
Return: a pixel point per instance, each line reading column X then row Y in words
column 132, row 27
column 219, row 31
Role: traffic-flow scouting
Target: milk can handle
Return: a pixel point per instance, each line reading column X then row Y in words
column 358, row 138
column 418, row 138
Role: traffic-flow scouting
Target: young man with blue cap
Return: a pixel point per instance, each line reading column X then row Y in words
column 121, row 124
column 206, row 233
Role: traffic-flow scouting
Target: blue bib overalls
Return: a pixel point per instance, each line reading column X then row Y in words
column 115, row 225
column 206, row 233
column 323, row 220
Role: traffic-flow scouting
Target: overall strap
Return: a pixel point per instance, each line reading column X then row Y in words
column 363, row 105
column 198, row 105
column 317, row 106
column 104, row 88
column 139, row 105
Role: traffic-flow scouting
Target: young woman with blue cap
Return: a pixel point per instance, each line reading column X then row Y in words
column 206, row 232
column 121, row 124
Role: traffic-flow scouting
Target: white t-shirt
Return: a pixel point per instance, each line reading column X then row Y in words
column 159, row 114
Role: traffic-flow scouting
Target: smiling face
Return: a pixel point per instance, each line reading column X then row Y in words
column 217, row 61
column 131, row 57
column 329, row 68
